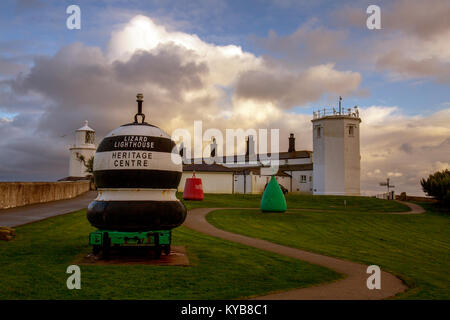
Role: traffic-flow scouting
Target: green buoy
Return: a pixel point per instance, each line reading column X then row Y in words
column 273, row 198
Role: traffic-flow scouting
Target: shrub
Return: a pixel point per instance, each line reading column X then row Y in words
column 438, row 186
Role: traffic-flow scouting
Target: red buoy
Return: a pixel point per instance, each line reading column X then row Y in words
column 193, row 189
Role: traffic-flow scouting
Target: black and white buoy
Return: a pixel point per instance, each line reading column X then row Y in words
column 136, row 179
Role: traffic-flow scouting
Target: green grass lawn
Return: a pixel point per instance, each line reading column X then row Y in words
column 33, row 266
column 414, row 247
column 353, row 204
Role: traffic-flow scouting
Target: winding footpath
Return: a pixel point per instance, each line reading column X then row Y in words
column 352, row 287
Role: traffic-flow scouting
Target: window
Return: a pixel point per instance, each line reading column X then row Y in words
column 90, row 137
column 351, row 131
column 319, row 132
column 303, row 179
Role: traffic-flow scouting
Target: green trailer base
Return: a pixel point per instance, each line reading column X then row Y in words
column 104, row 240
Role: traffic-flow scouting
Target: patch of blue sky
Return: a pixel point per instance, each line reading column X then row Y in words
column 9, row 116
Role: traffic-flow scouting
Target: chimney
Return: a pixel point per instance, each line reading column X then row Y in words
column 181, row 149
column 213, row 147
column 291, row 143
column 250, row 149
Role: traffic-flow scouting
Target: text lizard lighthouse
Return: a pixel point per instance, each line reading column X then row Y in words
column 82, row 151
column 336, row 151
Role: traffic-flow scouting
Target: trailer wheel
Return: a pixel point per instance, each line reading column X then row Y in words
column 167, row 250
column 158, row 252
column 106, row 247
column 96, row 249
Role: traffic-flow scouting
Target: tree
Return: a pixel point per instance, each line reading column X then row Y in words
column 89, row 164
column 438, row 186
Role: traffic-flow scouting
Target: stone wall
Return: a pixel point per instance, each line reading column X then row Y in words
column 16, row 194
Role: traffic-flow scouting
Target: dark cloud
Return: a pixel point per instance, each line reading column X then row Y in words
column 59, row 92
column 166, row 68
column 78, row 83
column 406, row 147
column 27, row 153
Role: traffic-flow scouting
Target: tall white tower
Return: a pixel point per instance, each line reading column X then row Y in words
column 336, row 151
column 81, row 151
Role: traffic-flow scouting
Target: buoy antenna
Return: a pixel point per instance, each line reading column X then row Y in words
column 139, row 100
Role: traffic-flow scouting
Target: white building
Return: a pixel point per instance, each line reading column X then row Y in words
column 215, row 178
column 83, row 149
column 218, row 178
column 336, row 152
column 249, row 176
column 333, row 170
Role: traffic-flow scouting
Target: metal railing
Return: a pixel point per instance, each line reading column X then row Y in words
column 329, row 112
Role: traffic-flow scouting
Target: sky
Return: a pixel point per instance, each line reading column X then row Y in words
column 232, row 64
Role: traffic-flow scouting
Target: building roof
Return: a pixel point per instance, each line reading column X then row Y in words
column 296, row 167
column 204, row 167
column 75, row 178
column 283, row 169
column 295, row 154
column 281, row 156
column 85, row 127
column 257, row 170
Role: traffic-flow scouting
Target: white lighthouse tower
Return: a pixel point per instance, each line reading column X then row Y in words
column 82, row 151
column 336, row 151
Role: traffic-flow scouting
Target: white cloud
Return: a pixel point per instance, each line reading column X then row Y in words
column 142, row 33
column 404, row 148
column 377, row 115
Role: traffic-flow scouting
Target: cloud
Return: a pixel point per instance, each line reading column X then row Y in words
column 413, row 42
column 29, row 153
column 10, row 67
column 425, row 19
column 289, row 89
column 182, row 77
column 404, row 148
column 310, row 43
column 167, row 66
column 403, row 66
column 407, row 148
column 78, row 82
column 142, row 33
